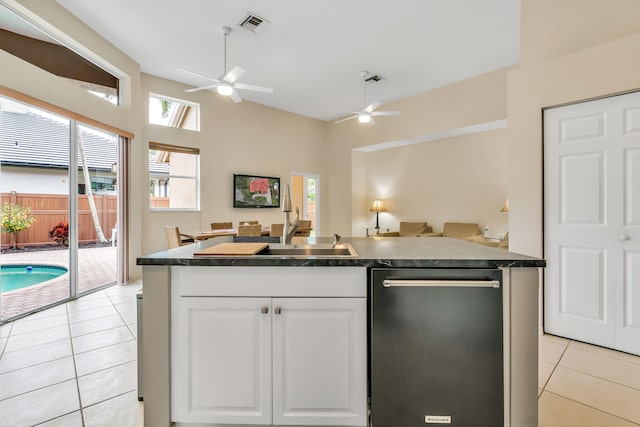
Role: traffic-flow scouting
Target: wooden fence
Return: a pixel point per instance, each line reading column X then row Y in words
column 50, row 209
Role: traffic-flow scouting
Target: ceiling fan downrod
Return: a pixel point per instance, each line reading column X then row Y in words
column 225, row 31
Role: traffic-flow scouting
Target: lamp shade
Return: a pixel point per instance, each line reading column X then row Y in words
column 505, row 208
column 377, row 206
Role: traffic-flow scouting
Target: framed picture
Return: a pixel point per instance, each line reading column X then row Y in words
column 252, row 191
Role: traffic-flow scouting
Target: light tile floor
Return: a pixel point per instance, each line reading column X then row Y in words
column 75, row 365
column 582, row 385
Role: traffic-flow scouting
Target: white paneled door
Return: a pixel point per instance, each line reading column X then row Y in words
column 592, row 222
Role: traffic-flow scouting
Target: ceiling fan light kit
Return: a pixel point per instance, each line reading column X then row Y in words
column 364, row 118
column 224, row 89
column 227, row 85
column 367, row 113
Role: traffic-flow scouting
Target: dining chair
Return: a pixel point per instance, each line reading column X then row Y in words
column 221, row 225
column 276, row 230
column 249, row 222
column 249, row 230
column 304, row 228
column 173, row 236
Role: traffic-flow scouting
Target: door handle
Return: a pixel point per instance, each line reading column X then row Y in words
column 264, row 310
column 277, row 310
column 442, row 283
column 623, row 237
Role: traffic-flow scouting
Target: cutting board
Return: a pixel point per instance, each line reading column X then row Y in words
column 248, row 248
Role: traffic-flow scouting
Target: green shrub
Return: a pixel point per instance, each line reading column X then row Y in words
column 15, row 218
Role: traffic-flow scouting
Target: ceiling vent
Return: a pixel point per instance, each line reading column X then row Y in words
column 253, row 23
column 373, row 79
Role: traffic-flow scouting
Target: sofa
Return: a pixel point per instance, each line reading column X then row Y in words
column 459, row 230
column 410, row 229
column 468, row 231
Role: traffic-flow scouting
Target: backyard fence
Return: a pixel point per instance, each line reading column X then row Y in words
column 50, row 209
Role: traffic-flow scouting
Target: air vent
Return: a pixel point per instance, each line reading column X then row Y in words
column 373, row 79
column 253, row 23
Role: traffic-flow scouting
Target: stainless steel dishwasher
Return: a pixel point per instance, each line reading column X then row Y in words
column 436, row 342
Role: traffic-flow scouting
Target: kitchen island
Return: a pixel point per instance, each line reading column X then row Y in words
column 285, row 336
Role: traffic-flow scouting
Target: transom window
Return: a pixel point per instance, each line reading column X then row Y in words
column 172, row 112
column 174, row 177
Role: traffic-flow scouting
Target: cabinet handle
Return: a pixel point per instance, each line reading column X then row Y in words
column 264, row 310
column 277, row 310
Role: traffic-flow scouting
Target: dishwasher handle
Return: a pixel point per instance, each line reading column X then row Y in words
column 388, row 283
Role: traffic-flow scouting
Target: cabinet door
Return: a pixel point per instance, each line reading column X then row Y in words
column 319, row 361
column 221, row 366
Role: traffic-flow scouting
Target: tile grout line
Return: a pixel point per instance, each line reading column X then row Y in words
column 616, row 356
column 589, row 374
column 135, row 334
column 591, row 407
column 75, row 368
column 555, row 366
column 6, row 341
column 600, row 378
column 104, row 346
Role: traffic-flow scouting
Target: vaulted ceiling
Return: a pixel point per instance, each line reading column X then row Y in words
column 312, row 53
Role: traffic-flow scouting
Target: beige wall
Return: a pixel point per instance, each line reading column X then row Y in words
column 551, row 28
column 233, row 138
column 594, row 71
column 467, row 103
column 460, row 179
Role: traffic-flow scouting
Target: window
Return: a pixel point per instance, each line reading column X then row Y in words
column 172, row 112
column 174, row 177
column 33, row 44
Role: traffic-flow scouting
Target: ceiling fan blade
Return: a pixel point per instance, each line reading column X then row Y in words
column 386, row 113
column 256, row 88
column 345, row 119
column 196, row 89
column 234, row 74
column 372, row 106
column 235, row 96
column 204, row 76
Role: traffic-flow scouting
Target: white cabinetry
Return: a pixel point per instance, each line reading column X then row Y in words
column 289, row 354
column 222, row 369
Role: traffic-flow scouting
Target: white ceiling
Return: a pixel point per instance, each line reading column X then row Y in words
column 312, row 53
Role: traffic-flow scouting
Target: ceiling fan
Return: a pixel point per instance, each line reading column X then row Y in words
column 227, row 85
column 366, row 114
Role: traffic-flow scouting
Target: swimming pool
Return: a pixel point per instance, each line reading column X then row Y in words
column 14, row 277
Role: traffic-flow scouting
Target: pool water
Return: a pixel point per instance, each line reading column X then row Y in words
column 14, row 277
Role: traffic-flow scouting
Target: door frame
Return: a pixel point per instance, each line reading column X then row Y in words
column 616, row 320
column 305, row 176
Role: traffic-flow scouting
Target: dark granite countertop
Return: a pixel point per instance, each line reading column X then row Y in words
column 389, row 252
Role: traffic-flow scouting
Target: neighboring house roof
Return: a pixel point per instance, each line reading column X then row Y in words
column 28, row 139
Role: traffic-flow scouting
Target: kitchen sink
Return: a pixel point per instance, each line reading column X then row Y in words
column 326, row 250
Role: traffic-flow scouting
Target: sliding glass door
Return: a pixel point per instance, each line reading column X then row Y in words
column 59, row 194
column 97, row 203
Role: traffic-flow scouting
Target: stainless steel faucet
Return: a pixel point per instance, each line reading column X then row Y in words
column 289, row 228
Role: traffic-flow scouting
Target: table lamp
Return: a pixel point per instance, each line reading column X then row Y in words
column 377, row 206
